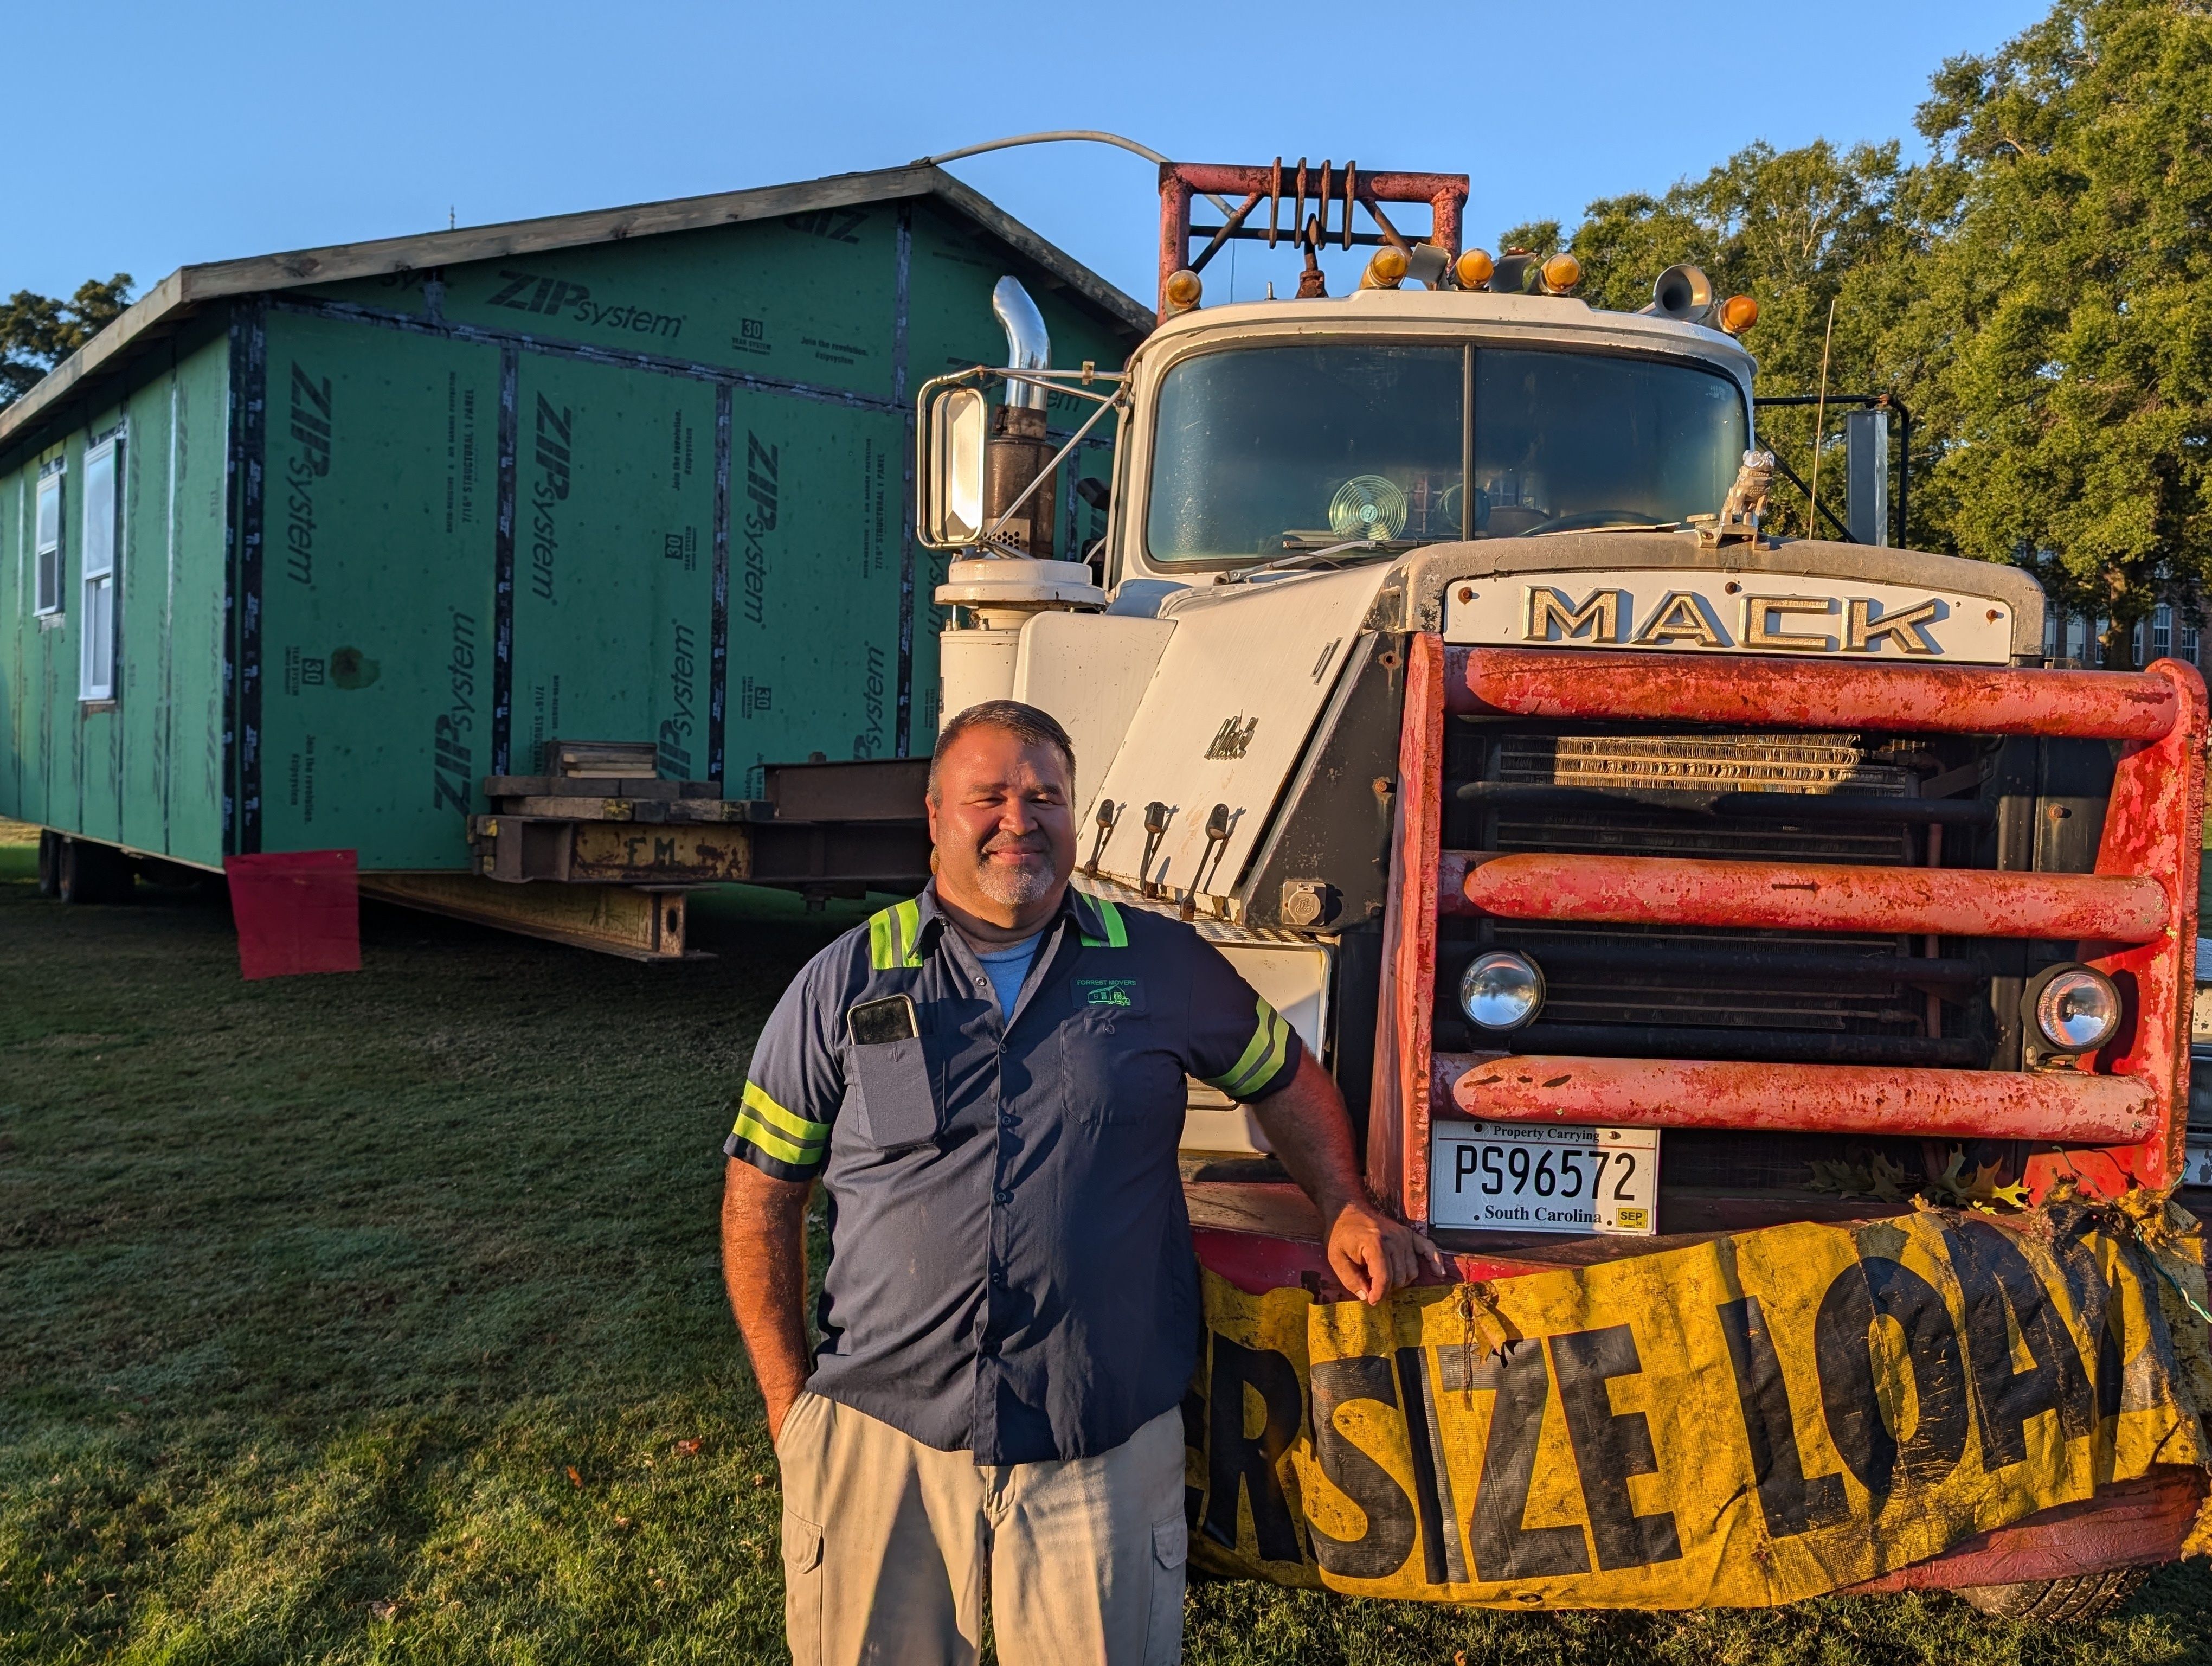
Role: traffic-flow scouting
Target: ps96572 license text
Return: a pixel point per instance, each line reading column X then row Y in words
column 1536, row 1177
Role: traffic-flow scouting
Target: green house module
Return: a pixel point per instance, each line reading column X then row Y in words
column 305, row 550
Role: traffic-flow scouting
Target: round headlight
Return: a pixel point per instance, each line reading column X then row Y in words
column 2075, row 1010
column 1501, row 990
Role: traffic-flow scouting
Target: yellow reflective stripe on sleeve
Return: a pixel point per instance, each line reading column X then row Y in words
column 790, row 1122
column 783, row 1135
column 1117, row 934
column 752, row 1130
column 1263, row 1056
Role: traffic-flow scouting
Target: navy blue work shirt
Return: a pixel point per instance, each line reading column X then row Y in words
column 1011, row 1267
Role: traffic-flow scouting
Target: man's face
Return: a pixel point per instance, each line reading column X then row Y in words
column 1003, row 825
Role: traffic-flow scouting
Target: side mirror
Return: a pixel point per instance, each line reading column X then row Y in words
column 958, row 420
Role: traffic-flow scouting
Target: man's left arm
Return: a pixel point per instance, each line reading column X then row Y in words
column 1306, row 1126
column 1240, row 1045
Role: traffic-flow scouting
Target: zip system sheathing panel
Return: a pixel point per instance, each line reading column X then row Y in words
column 490, row 518
column 2134, row 919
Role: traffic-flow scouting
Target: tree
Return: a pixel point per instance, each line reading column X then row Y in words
column 1799, row 231
column 2066, row 316
column 37, row 332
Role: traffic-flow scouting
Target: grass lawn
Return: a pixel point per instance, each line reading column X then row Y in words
column 378, row 1317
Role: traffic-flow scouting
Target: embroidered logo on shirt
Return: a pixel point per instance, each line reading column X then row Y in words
column 1126, row 993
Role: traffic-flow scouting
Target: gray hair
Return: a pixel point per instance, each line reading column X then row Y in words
column 1027, row 724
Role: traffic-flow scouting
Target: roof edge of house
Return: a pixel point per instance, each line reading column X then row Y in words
column 188, row 288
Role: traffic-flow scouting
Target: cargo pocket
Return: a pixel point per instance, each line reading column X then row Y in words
column 898, row 1101
column 802, row 1588
column 1163, row 1628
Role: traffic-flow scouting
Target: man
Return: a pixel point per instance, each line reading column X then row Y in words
column 989, row 1083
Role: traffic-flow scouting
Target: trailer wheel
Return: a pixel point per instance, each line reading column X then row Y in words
column 2048, row 1602
column 93, row 873
column 50, row 863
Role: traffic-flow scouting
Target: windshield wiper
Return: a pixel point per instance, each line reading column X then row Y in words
column 1605, row 526
column 1305, row 558
column 1333, row 556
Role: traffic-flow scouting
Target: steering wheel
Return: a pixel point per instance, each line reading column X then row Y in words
column 1589, row 519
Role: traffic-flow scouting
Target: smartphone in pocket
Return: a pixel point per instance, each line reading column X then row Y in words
column 897, row 1099
column 874, row 1022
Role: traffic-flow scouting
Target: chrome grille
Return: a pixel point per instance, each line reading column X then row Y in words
column 1660, row 981
column 1577, row 992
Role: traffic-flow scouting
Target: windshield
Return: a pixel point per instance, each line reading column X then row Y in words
column 1269, row 451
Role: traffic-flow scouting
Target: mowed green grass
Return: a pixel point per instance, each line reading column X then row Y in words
column 378, row 1317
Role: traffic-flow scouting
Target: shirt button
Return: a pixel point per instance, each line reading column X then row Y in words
column 982, row 982
column 1008, row 1121
column 1002, row 1196
column 998, row 1278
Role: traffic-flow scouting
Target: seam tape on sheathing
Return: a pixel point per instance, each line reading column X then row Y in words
column 1759, row 1418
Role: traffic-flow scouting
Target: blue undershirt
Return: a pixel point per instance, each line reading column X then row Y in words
column 1007, row 968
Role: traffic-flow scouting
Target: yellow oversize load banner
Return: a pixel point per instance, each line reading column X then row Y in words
column 1751, row 1420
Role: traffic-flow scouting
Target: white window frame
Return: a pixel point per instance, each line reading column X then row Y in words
column 47, row 559
column 100, row 545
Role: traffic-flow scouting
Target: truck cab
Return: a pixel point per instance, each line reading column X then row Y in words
column 1641, row 877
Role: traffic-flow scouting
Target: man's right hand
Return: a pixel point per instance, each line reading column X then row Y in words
column 779, row 1408
column 765, row 1269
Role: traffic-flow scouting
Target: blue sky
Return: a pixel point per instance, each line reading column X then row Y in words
column 181, row 134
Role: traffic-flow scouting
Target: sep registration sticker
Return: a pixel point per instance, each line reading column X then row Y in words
column 1540, row 1178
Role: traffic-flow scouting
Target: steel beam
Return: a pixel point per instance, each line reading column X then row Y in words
column 1890, row 695
column 629, row 920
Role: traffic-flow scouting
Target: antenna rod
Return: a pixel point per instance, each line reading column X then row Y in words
column 1820, row 420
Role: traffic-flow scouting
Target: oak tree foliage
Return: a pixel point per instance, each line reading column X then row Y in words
column 2037, row 291
column 37, row 332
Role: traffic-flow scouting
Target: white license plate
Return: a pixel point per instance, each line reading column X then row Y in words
column 2198, row 1170
column 1540, row 1177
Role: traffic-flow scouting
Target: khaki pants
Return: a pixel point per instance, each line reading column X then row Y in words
column 890, row 1545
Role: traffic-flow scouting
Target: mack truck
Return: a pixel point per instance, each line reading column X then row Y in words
column 1763, row 975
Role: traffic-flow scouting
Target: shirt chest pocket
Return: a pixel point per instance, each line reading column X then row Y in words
column 1114, row 1062
column 895, row 1090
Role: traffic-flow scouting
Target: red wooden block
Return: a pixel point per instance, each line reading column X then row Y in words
column 297, row 911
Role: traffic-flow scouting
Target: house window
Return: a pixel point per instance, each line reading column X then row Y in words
column 2161, row 632
column 101, row 518
column 47, row 585
column 2189, row 643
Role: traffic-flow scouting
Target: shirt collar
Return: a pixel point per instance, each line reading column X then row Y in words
column 1073, row 905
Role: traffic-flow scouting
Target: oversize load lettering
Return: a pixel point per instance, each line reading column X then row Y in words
column 1752, row 1420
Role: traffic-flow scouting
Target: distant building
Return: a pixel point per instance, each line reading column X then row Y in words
column 2165, row 635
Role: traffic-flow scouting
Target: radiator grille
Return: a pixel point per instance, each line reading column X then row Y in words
column 1624, row 977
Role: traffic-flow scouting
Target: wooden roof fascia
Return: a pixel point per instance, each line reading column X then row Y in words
column 190, row 287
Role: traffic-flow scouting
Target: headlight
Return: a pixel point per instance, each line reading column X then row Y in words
column 1501, row 990
column 2072, row 1008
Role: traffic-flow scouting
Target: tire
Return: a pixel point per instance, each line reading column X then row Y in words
column 2059, row 1602
column 93, row 873
column 50, row 863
